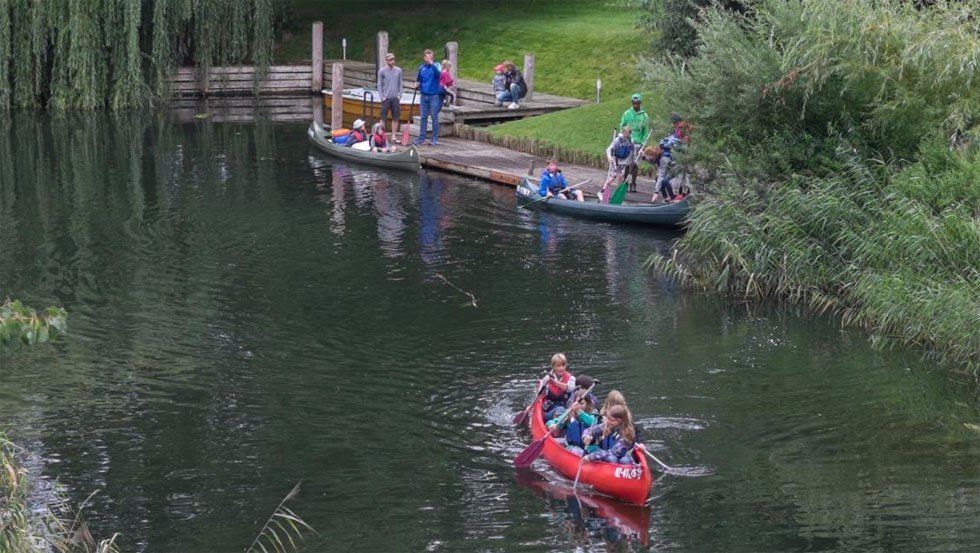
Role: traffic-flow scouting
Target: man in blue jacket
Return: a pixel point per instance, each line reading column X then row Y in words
column 427, row 83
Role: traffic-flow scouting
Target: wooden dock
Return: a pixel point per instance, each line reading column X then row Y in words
column 504, row 166
column 475, row 99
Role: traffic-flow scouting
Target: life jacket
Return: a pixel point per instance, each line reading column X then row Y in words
column 357, row 136
column 554, row 182
column 380, row 141
column 575, row 432
column 609, row 441
column 623, row 148
column 555, row 395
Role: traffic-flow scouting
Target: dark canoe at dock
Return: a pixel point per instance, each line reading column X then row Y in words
column 647, row 213
column 406, row 159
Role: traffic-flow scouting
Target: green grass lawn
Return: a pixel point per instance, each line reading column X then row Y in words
column 574, row 43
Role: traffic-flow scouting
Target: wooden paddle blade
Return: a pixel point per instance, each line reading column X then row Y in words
column 521, row 418
column 620, row 194
column 530, row 453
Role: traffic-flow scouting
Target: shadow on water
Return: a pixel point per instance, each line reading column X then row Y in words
column 246, row 313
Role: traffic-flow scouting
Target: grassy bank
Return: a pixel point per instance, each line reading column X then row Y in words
column 574, row 42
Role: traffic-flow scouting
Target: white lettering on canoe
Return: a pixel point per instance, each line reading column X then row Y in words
column 628, row 472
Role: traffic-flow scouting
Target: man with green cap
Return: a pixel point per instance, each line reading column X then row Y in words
column 636, row 118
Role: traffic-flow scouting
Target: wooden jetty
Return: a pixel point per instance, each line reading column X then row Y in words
column 503, row 166
column 281, row 87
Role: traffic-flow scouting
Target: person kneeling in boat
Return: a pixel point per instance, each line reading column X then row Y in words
column 615, row 437
column 379, row 140
column 560, row 385
column 553, row 184
column 581, row 415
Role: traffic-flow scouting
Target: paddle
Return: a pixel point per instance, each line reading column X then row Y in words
column 643, row 448
column 546, row 197
column 521, row 417
column 533, row 451
column 409, row 124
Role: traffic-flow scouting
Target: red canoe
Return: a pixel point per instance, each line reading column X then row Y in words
column 630, row 483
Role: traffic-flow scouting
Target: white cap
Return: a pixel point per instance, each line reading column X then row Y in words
column 358, row 123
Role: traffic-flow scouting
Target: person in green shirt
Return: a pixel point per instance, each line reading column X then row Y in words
column 636, row 118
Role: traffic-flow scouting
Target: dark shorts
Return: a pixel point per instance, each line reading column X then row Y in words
column 390, row 105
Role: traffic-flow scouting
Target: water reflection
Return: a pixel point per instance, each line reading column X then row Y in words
column 233, row 299
column 591, row 520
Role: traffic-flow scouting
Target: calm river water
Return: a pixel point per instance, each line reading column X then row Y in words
column 246, row 313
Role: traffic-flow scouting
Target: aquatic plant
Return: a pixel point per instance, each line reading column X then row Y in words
column 120, row 54
column 846, row 137
column 19, row 322
column 281, row 528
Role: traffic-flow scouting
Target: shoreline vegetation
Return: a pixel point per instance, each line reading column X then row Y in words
column 847, row 133
column 835, row 142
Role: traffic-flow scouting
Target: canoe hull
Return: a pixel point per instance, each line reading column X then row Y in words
column 644, row 213
column 629, row 483
column 405, row 160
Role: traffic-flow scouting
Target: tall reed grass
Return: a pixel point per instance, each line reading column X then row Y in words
column 27, row 528
column 848, row 130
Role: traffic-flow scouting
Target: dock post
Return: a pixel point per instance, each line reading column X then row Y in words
column 452, row 54
column 316, row 85
column 529, row 75
column 382, row 42
column 317, row 107
column 337, row 96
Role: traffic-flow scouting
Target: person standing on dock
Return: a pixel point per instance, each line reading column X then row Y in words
column 620, row 155
column 427, row 83
column 390, row 88
column 637, row 119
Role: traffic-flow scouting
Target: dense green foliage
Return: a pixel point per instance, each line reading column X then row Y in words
column 90, row 54
column 21, row 323
column 670, row 21
column 848, row 135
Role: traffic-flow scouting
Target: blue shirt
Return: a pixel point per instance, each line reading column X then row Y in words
column 428, row 79
column 554, row 182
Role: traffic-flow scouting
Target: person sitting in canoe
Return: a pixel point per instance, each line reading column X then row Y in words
column 379, row 140
column 358, row 133
column 560, row 385
column 553, row 184
column 615, row 437
column 581, row 415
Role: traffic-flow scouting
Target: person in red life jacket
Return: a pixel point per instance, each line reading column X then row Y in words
column 560, row 385
column 615, row 437
column 379, row 140
column 358, row 133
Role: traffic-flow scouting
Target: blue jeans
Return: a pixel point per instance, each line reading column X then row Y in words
column 430, row 104
column 512, row 95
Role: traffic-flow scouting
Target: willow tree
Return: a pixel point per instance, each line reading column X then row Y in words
column 91, row 54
